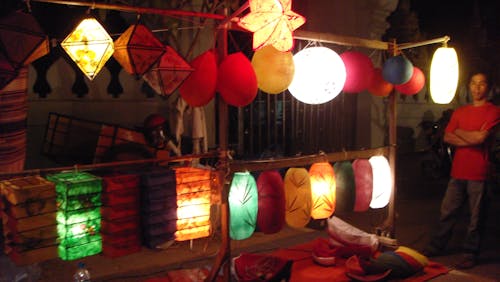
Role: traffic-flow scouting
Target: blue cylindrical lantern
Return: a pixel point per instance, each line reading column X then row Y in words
column 243, row 206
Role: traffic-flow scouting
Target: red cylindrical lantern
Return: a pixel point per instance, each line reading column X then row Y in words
column 378, row 86
column 322, row 190
column 271, row 213
column 237, row 82
column 359, row 71
column 199, row 88
column 363, row 177
column 414, row 85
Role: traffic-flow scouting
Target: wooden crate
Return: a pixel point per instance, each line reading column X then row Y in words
column 27, row 189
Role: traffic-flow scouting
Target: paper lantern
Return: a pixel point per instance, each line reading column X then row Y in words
column 319, row 75
column 272, row 22
column 271, row 211
column 22, row 41
column 89, row 46
column 199, row 88
column 193, row 186
column 297, row 197
column 78, row 196
column 168, row 73
column 345, row 190
column 382, row 182
column 323, row 189
column 414, row 85
column 444, row 75
column 397, row 70
column 274, row 69
column 363, row 178
column 359, row 71
column 243, row 206
column 378, row 86
column 236, row 80
column 137, row 49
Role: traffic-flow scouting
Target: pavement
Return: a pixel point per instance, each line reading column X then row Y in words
column 417, row 210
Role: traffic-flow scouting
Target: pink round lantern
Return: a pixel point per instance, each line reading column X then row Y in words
column 237, row 82
column 378, row 86
column 414, row 85
column 199, row 88
column 271, row 212
column 359, row 71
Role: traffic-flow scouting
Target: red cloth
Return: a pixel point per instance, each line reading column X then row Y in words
column 471, row 162
column 304, row 269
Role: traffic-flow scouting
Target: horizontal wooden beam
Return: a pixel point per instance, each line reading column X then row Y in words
column 340, row 39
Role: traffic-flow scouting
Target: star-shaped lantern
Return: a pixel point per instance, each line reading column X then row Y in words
column 272, row 22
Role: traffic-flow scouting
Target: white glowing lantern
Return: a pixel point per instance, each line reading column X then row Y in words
column 319, row 75
column 444, row 75
column 382, row 182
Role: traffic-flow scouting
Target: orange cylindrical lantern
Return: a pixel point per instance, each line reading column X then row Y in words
column 271, row 193
column 323, row 189
column 297, row 197
column 193, row 186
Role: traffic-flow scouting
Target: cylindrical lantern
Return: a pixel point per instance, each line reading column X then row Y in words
column 414, row 85
column 297, row 197
column 444, row 75
column 243, row 206
column 397, row 70
column 274, row 69
column 363, row 177
column 193, row 186
column 359, row 71
column 345, row 193
column 237, row 82
column 382, row 182
column 378, row 86
column 323, row 189
column 199, row 88
column 319, row 75
column 271, row 213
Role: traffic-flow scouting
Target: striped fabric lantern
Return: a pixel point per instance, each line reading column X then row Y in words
column 243, row 206
column 322, row 190
column 271, row 213
column 382, row 182
column 297, row 197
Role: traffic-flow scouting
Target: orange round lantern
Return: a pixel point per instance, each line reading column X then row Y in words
column 414, row 85
column 274, row 69
column 237, row 82
column 199, row 88
column 378, row 86
column 271, row 211
column 359, row 71
column 323, row 189
column 297, row 197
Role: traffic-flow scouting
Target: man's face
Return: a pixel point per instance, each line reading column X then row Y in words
column 156, row 137
column 478, row 87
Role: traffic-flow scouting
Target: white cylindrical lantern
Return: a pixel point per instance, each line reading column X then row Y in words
column 382, row 182
column 444, row 75
column 319, row 75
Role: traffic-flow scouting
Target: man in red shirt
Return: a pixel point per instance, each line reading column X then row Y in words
column 468, row 131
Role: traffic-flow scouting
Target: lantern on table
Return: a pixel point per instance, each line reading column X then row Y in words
column 363, row 177
column 193, row 186
column 345, row 193
column 382, row 182
column 271, row 211
column 297, row 197
column 243, row 206
column 323, row 188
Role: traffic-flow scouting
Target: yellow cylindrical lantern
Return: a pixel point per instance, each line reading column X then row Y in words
column 274, row 69
column 382, row 182
column 444, row 75
column 323, row 189
column 319, row 75
column 297, row 197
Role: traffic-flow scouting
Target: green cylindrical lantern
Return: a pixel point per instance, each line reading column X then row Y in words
column 243, row 206
column 345, row 192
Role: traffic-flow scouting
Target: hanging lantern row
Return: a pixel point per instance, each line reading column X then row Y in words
column 267, row 204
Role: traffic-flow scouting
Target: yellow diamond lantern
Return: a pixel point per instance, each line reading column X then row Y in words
column 89, row 46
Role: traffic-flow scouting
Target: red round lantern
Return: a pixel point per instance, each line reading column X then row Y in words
column 237, row 82
column 359, row 71
column 414, row 85
column 271, row 212
column 199, row 88
column 378, row 86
